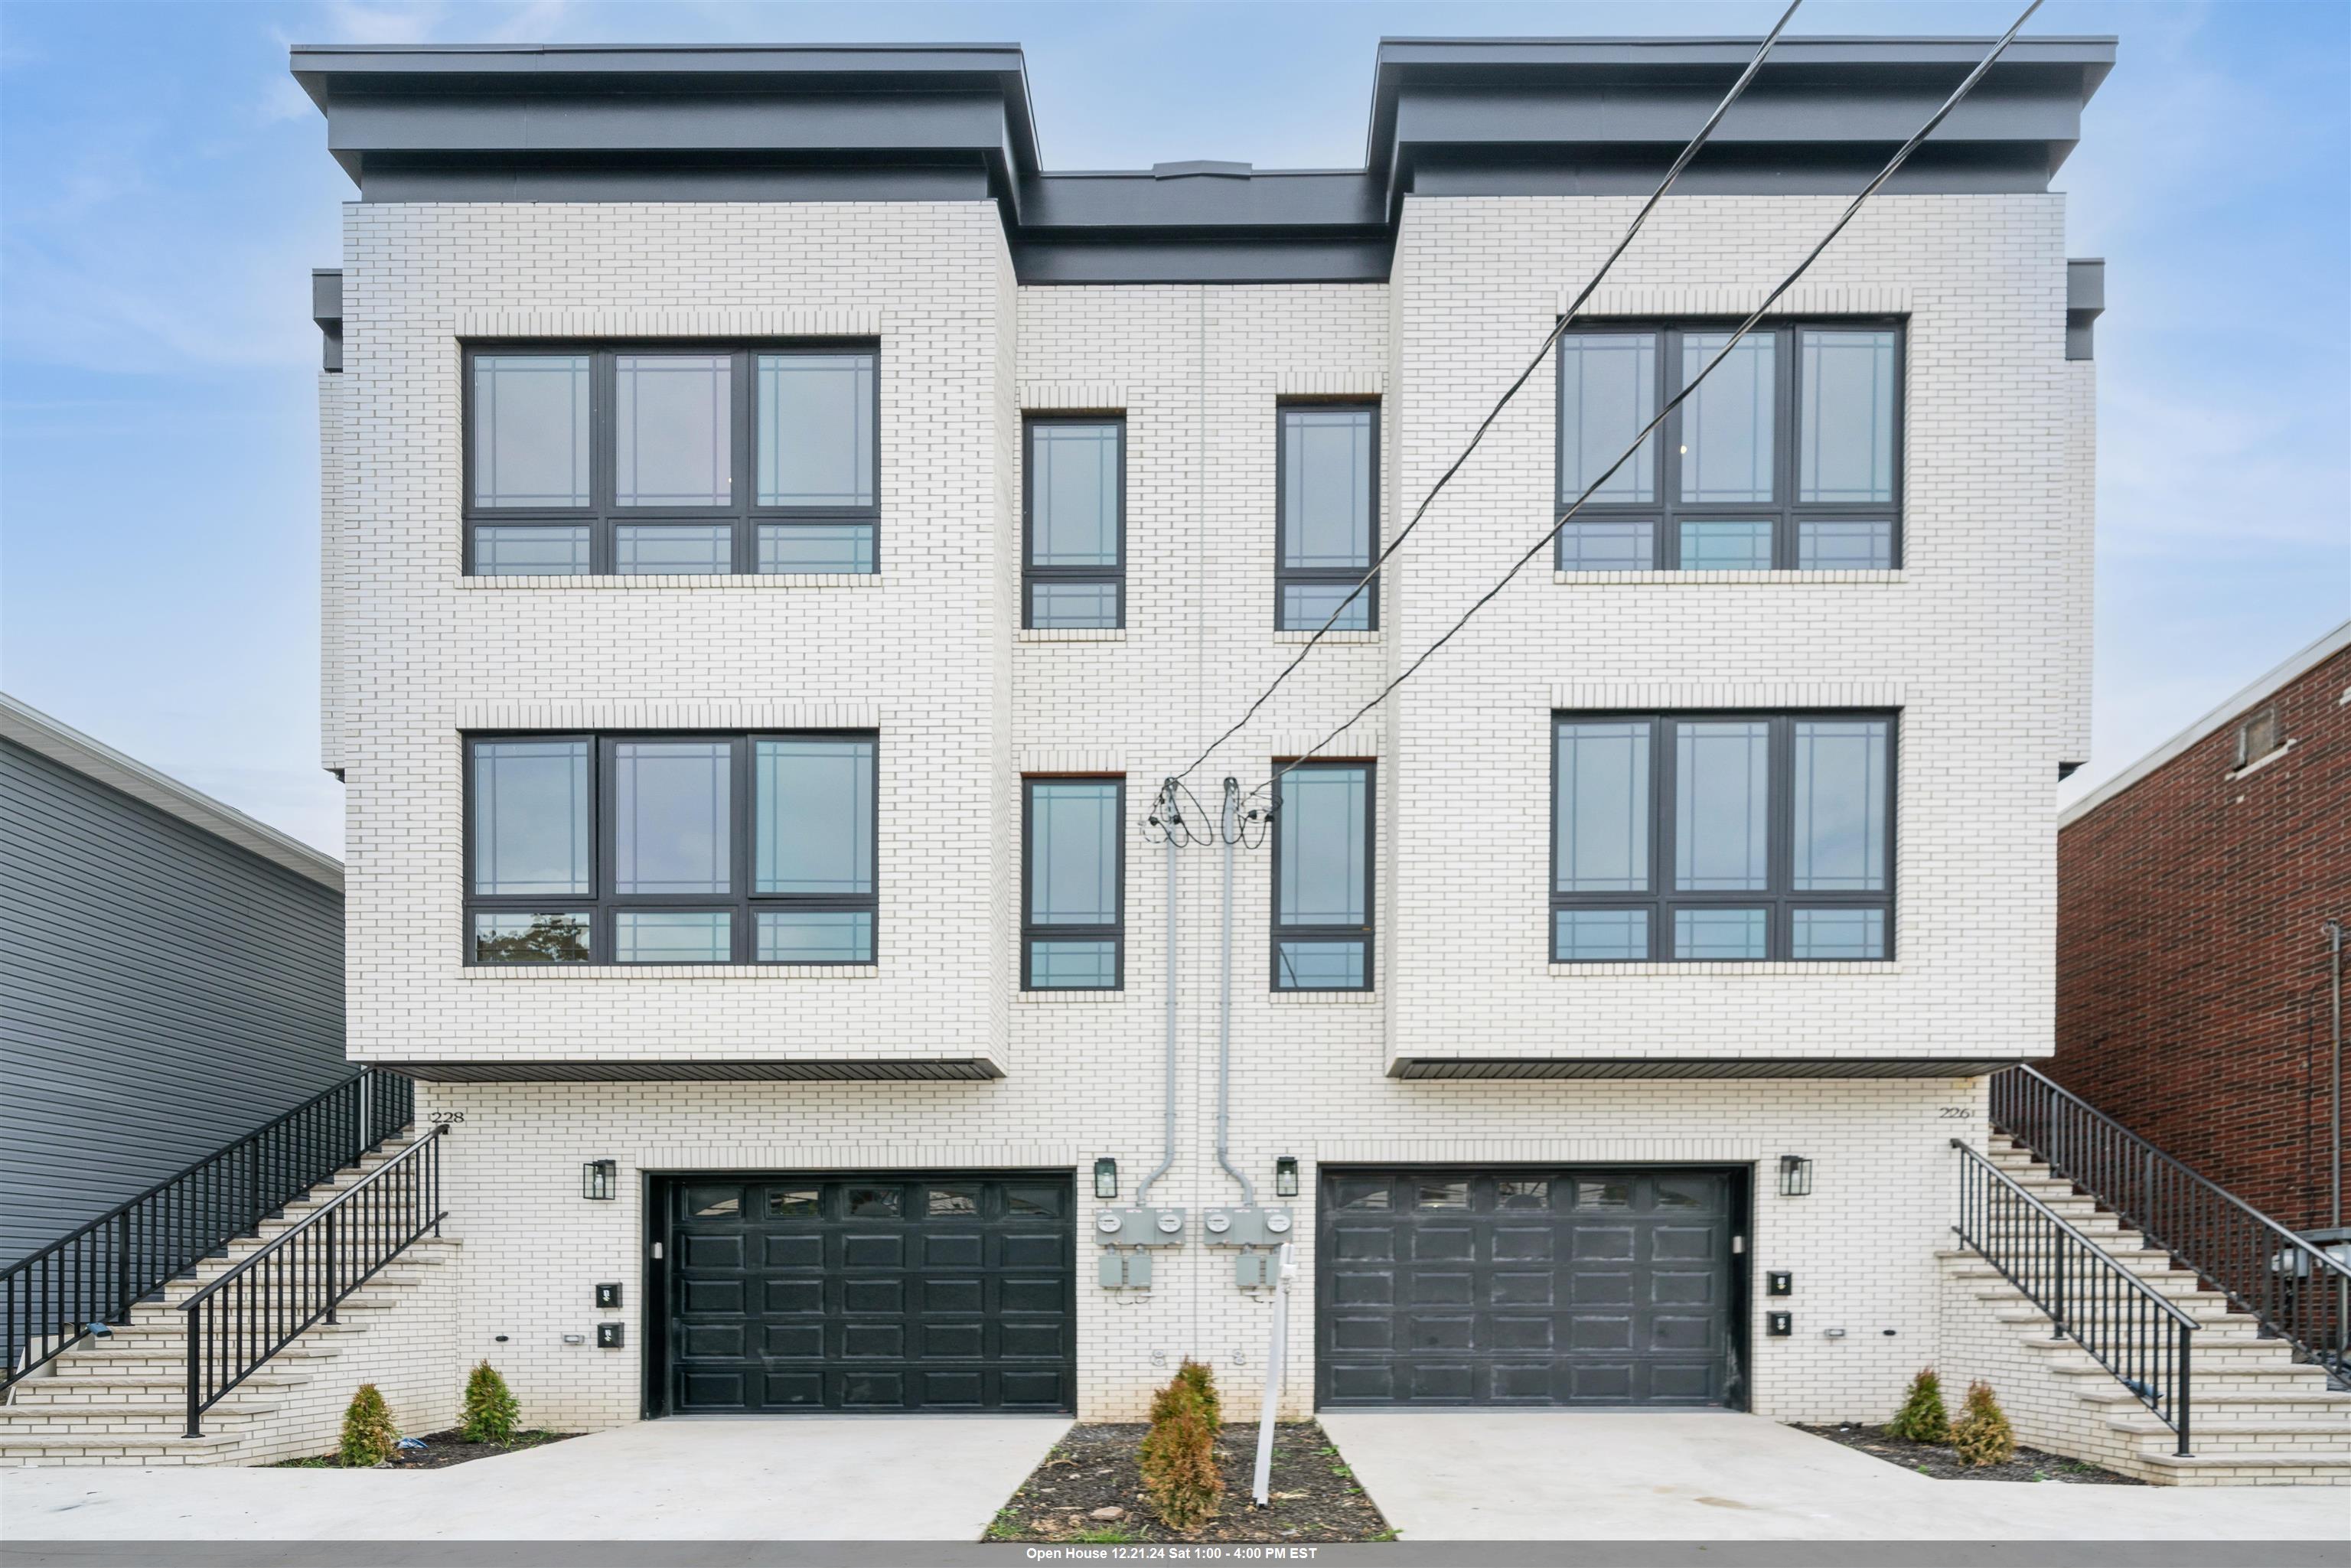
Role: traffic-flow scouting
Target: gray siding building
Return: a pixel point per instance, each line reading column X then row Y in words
column 171, row 978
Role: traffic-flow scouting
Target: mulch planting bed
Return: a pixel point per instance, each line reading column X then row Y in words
column 1944, row 1465
column 1312, row 1496
column 441, row 1450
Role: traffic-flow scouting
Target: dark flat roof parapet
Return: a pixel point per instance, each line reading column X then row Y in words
column 943, row 121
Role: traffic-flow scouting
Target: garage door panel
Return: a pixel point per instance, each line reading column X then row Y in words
column 1575, row 1287
column 871, row 1292
column 791, row 1390
column 792, row 1252
column 1034, row 1250
column 791, row 1295
column 873, row 1251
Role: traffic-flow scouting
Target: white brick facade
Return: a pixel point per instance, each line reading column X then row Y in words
column 1979, row 640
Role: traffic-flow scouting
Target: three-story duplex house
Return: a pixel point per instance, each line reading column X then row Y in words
column 780, row 536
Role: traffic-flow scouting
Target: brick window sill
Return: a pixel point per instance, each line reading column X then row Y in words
column 2274, row 753
column 1068, row 999
column 1720, row 578
column 747, row 973
column 718, row 583
column 1069, row 635
column 1777, row 967
column 1294, row 637
column 1323, row 999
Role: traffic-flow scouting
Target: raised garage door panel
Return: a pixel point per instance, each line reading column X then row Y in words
column 870, row 1293
column 1526, row 1287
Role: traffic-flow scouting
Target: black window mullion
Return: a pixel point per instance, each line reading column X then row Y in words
column 743, row 462
column 1784, row 453
column 743, row 814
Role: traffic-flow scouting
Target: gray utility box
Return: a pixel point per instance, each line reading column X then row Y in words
column 1124, row 1234
column 1248, row 1227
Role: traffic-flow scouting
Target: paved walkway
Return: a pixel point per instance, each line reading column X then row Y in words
column 939, row 1477
column 1704, row 1475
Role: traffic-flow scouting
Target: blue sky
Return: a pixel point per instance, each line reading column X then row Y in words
column 164, row 189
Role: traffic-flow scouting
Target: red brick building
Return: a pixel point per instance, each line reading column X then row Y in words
column 2192, row 959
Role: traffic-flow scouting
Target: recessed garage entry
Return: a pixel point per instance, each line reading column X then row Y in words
column 1528, row 1287
column 890, row 1291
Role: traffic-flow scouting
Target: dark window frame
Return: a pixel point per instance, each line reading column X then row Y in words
column 1031, row 574
column 1781, row 899
column 1283, row 576
column 1280, row 931
column 602, row 905
column 1031, row 932
column 604, row 516
column 1785, row 513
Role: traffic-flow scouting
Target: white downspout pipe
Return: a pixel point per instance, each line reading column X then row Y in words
column 1273, row 1355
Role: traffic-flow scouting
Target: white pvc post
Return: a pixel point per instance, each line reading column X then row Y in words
column 1272, row 1375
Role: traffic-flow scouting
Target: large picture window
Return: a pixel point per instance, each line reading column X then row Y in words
column 697, row 459
column 677, row 849
column 1788, row 457
column 1072, row 884
column 1327, row 471
column 1322, row 878
column 1722, row 836
column 1075, row 514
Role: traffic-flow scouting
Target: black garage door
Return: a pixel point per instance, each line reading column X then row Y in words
column 1527, row 1287
column 870, row 1293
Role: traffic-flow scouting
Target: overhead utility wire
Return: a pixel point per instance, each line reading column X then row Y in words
column 1745, row 326
column 1552, row 337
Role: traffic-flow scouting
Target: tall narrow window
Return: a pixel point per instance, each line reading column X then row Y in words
column 1328, row 524
column 530, row 432
column 1774, row 834
column 674, row 425
column 1073, row 902
column 1786, row 456
column 1076, row 524
column 1322, row 878
column 814, row 490
column 672, row 849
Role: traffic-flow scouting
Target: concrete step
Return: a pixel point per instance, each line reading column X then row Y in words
column 2228, row 1404
column 127, row 1420
column 2252, row 1471
column 135, row 1388
column 157, row 1448
column 400, row 1275
column 2215, row 1374
column 2209, row 1331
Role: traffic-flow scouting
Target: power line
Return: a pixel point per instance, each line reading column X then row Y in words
column 1899, row 158
column 1552, row 337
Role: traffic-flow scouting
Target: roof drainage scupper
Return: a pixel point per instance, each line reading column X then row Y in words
column 953, row 121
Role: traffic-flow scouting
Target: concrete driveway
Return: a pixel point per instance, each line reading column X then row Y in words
column 1707, row 1475
column 893, row 1478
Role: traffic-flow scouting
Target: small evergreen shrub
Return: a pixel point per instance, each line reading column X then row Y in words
column 1922, row 1418
column 1179, row 1451
column 369, row 1434
column 491, row 1409
column 1982, row 1436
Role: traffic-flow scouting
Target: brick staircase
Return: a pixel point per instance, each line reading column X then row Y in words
column 120, row 1398
column 2259, row 1416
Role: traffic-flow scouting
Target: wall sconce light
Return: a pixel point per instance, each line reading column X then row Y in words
column 1106, row 1177
column 1285, row 1177
column 1795, row 1176
column 600, row 1180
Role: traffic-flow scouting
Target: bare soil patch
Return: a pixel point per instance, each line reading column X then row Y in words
column 1943, row 1464
column 1311, row 1495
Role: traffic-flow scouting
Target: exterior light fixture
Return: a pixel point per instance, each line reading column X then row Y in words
column 600, row 1180
column 1795, row 1177
column 1106, row 1177
column 1285, row 1177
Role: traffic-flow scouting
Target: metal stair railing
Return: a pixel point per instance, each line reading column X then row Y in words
column 2125, row 1324
column 52, row 1299
column 2293, row 1289
column 253, row 1311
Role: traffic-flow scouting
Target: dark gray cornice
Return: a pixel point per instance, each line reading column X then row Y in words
column 1449, row 117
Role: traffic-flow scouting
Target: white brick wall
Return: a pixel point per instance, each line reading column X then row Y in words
column 1974, row 639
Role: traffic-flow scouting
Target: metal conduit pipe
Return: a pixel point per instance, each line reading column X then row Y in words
column 1227, row 829
column 1171, row 820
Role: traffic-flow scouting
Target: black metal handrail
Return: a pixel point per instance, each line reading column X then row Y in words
column 253, row 1311
column 2293, row 1289
column 2125, row 1324
column 49, row 1300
